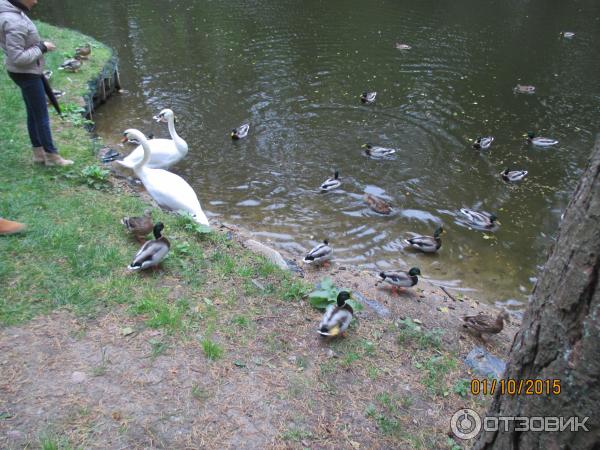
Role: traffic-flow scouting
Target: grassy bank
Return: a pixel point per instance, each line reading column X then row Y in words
column 75, row 251
column 215, row 349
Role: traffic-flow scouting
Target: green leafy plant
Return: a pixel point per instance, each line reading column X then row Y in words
column 326, row 295
column 462, row 387
column 94, row 176
column 75, row 114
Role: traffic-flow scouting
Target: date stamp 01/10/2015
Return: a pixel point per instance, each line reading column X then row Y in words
column 511, row 386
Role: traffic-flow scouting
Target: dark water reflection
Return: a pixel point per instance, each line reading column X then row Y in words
column 294, row 71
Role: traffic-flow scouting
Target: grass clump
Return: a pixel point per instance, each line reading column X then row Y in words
column 412, row 333
column 212, row 350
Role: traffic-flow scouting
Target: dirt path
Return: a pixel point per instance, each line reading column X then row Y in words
column 113, row 382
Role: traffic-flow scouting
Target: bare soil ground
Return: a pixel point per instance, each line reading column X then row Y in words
column 113, row 382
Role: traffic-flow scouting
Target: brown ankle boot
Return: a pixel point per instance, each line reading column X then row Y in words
column 54, row 159
column 10, row 227
column 38, row 155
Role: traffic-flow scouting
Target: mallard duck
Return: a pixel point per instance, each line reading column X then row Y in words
column 513, row 175
column 427, row 244
column 485, row 324
column 320, row 254
column 524, row 89
column 479, row 219
column 337, row 317
column 400, row 279
column 540, row 141
column 84, row 51
column 139, row 226
column 152, row 252
column 164, row 153
column 240, row 132
column 368, row 97
column 567, row 34
column 169, row 190
column 71, row 65
column 400, row 46
column 377, row 204
column 376, row 151
column 483, row 143
column 331, row 183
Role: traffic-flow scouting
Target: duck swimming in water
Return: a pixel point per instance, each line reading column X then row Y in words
column 368, row 97
column 240, row 132
column 427, row 244
column 331, row 183
column 540, row 141
column 483, row 143
column 513, row 175
column 479, row 219
column 376, row 151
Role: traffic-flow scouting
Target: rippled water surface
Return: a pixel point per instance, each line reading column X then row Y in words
column 295, row 70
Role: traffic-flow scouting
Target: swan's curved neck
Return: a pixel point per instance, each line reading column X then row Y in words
column 180, row 144
column 144, row 143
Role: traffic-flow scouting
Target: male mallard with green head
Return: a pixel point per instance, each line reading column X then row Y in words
column 540, row 141
column 319, row 254
column 427, row 244
column 400, row 279
column 152, row 252
column 337, row 317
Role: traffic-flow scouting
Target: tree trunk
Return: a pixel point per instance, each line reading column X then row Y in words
column 560, row 334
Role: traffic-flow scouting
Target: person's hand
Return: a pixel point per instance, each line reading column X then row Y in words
column 49, row 45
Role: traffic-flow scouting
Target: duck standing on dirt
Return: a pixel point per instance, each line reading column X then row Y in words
column 400, row 279
column 337, row 317
column 319, row 254
column 484, row 324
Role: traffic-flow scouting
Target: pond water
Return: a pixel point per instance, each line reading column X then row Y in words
column 295, row 71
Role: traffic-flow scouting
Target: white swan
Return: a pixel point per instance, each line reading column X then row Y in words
column 164, row 152
column 170, row 191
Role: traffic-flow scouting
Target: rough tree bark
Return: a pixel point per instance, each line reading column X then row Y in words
column 560, row 334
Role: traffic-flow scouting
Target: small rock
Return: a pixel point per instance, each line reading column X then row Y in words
column 485, row 364
column 78, row 377
column 258, row 284
column 342, row 268
column 331, row 354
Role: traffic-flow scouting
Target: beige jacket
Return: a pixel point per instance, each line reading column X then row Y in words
column 20, row 41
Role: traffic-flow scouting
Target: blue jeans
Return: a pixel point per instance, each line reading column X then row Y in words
column 38, row 121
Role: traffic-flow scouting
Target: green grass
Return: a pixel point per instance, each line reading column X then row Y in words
column 212, row 350
column 436, row 370
column 74, row 252
column 411, row 332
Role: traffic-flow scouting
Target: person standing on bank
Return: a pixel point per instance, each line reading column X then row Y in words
column 24, row 62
